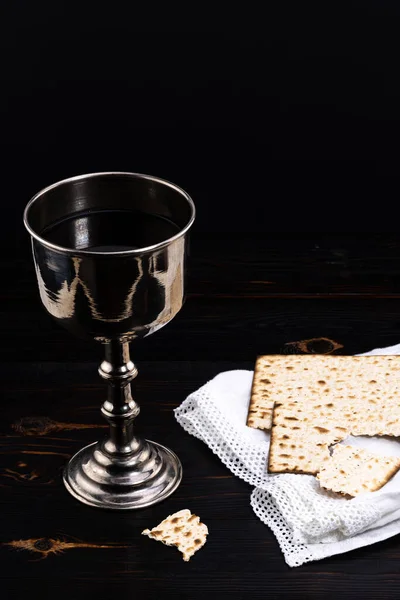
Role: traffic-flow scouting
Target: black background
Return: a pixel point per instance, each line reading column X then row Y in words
column 285, row 119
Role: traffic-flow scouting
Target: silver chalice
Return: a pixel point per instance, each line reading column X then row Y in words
column 109, row 251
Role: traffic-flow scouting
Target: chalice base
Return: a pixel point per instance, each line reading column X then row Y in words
column 124, row 481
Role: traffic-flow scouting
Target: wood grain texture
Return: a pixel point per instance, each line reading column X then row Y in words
column 248, row 296
column 46, row 546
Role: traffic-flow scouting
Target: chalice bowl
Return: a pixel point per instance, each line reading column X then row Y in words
column 109, row 251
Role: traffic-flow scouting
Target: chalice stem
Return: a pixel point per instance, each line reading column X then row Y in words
column 120, row 409
column 123, row 471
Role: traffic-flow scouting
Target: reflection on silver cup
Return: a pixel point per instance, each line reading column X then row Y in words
column 109, row 252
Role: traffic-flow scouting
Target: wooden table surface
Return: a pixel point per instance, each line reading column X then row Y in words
column 282, row 293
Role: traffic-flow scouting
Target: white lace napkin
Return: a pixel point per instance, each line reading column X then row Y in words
column 308, row 522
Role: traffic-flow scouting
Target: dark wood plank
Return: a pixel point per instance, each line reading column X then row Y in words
column 51, row 395
column 265, row 265
column 48, row 537
column 234, row 329
column 239, row 284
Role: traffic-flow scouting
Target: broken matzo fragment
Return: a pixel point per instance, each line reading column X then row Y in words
column 352, row 471
column 183, row 530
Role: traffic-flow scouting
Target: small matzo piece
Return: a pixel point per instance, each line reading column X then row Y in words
column 302, row 433
column 369, row 385
column 183, row 530
column 352, row 471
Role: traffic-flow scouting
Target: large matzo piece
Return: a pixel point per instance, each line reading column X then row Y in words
column 368, row 385
column 302, row 433
column 183, row 530
column 353, row 471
